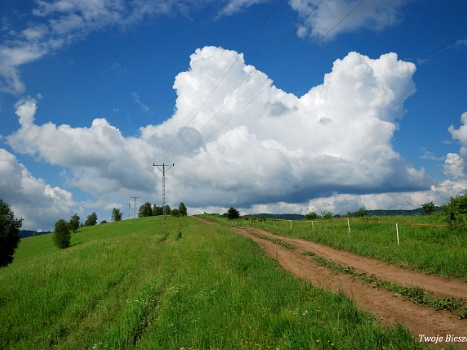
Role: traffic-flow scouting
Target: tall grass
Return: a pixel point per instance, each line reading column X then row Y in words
column 430, row 249
column 126, row 285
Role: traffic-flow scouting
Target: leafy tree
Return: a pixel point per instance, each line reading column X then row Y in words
column 61, row 235
column 74, row 222
column 156, row 210
column 145, row 210
column 116, row 214
column 428, row 208
column 175, row 212
column 9, row 234
column 103, row 221
column 360, row 213
column 455, row 211
column 325, row 214
column 182, row 209
column 91, row 220
column 233, row 213
column 167, row 209
column 311, row 216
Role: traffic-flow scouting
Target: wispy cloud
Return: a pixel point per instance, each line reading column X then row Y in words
column 138, row 101
column 431, row 156
column 373, row 15
column 57, row 23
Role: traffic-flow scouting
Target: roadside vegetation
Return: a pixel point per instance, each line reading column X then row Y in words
column 433, row 243
column 126, row 284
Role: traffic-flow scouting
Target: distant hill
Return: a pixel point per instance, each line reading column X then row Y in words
column 377, row 212
column 27, row 233
column 280, row 216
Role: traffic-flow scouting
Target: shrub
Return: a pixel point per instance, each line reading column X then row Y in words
column 455, row 212
column 61, row 235
column 233, row 213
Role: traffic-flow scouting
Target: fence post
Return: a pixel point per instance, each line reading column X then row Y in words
column 312, row 226
column 348, row 224
column 290, row 224
column 397, row 233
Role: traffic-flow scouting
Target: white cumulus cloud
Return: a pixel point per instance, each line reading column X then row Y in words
column 252, row 143
column 39, row 204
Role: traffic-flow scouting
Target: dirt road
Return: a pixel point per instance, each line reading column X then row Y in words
column 389, row 309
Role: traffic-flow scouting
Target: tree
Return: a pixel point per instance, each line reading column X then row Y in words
column 61, row 235
column 91, row 220
column 428, row 208
column 325, row 214
column 233, row 213
column 156, row 210
column 360, row 213
column 116, row 214
column 9, row 234
column 175, row 212
column 311, row 216
column 167, row 209
column 145, row 210
column 182, row 209
column 455, row 211
column 74, row 222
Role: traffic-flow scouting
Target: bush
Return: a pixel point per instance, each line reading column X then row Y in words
column 312, row 216
column 233, row 213
column 9, row 234
column 428, row 208
column 61, row 235
column 360, row 213
column 326, row 214
column 455, row 212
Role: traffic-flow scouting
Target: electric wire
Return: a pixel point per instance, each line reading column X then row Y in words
column 251, row 77
column 278, row 77
column 223, row 77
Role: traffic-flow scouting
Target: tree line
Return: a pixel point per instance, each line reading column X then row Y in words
column 147, row 209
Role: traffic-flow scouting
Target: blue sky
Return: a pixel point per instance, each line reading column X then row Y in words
column 93, row 92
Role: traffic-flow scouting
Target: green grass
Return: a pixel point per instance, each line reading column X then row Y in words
column 127, row 285
column 435, row 250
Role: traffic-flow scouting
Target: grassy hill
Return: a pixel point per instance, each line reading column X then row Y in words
column 125, row 285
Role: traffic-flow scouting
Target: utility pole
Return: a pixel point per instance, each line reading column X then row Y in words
column 129, row 206
column 164, row 169
column 134, row 207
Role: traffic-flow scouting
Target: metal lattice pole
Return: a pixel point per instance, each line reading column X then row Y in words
column 164, row 169
column 134, row 206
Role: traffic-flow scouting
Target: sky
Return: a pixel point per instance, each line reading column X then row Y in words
column 268, row 106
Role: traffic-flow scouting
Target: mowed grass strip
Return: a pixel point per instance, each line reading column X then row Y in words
column 206, row 288
column 437, row 250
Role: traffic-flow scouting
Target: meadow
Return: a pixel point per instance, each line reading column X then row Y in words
column 425, row 243
column 128, row 285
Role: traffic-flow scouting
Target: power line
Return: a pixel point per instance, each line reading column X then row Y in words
column 251, row 77
column 278, row 77
column 223, row 77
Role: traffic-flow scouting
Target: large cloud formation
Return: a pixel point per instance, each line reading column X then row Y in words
column 251, row 143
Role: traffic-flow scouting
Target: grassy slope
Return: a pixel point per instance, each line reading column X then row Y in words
column 125, row 285
column 429, row 249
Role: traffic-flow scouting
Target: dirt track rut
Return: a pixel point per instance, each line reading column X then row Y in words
column 389, row 309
